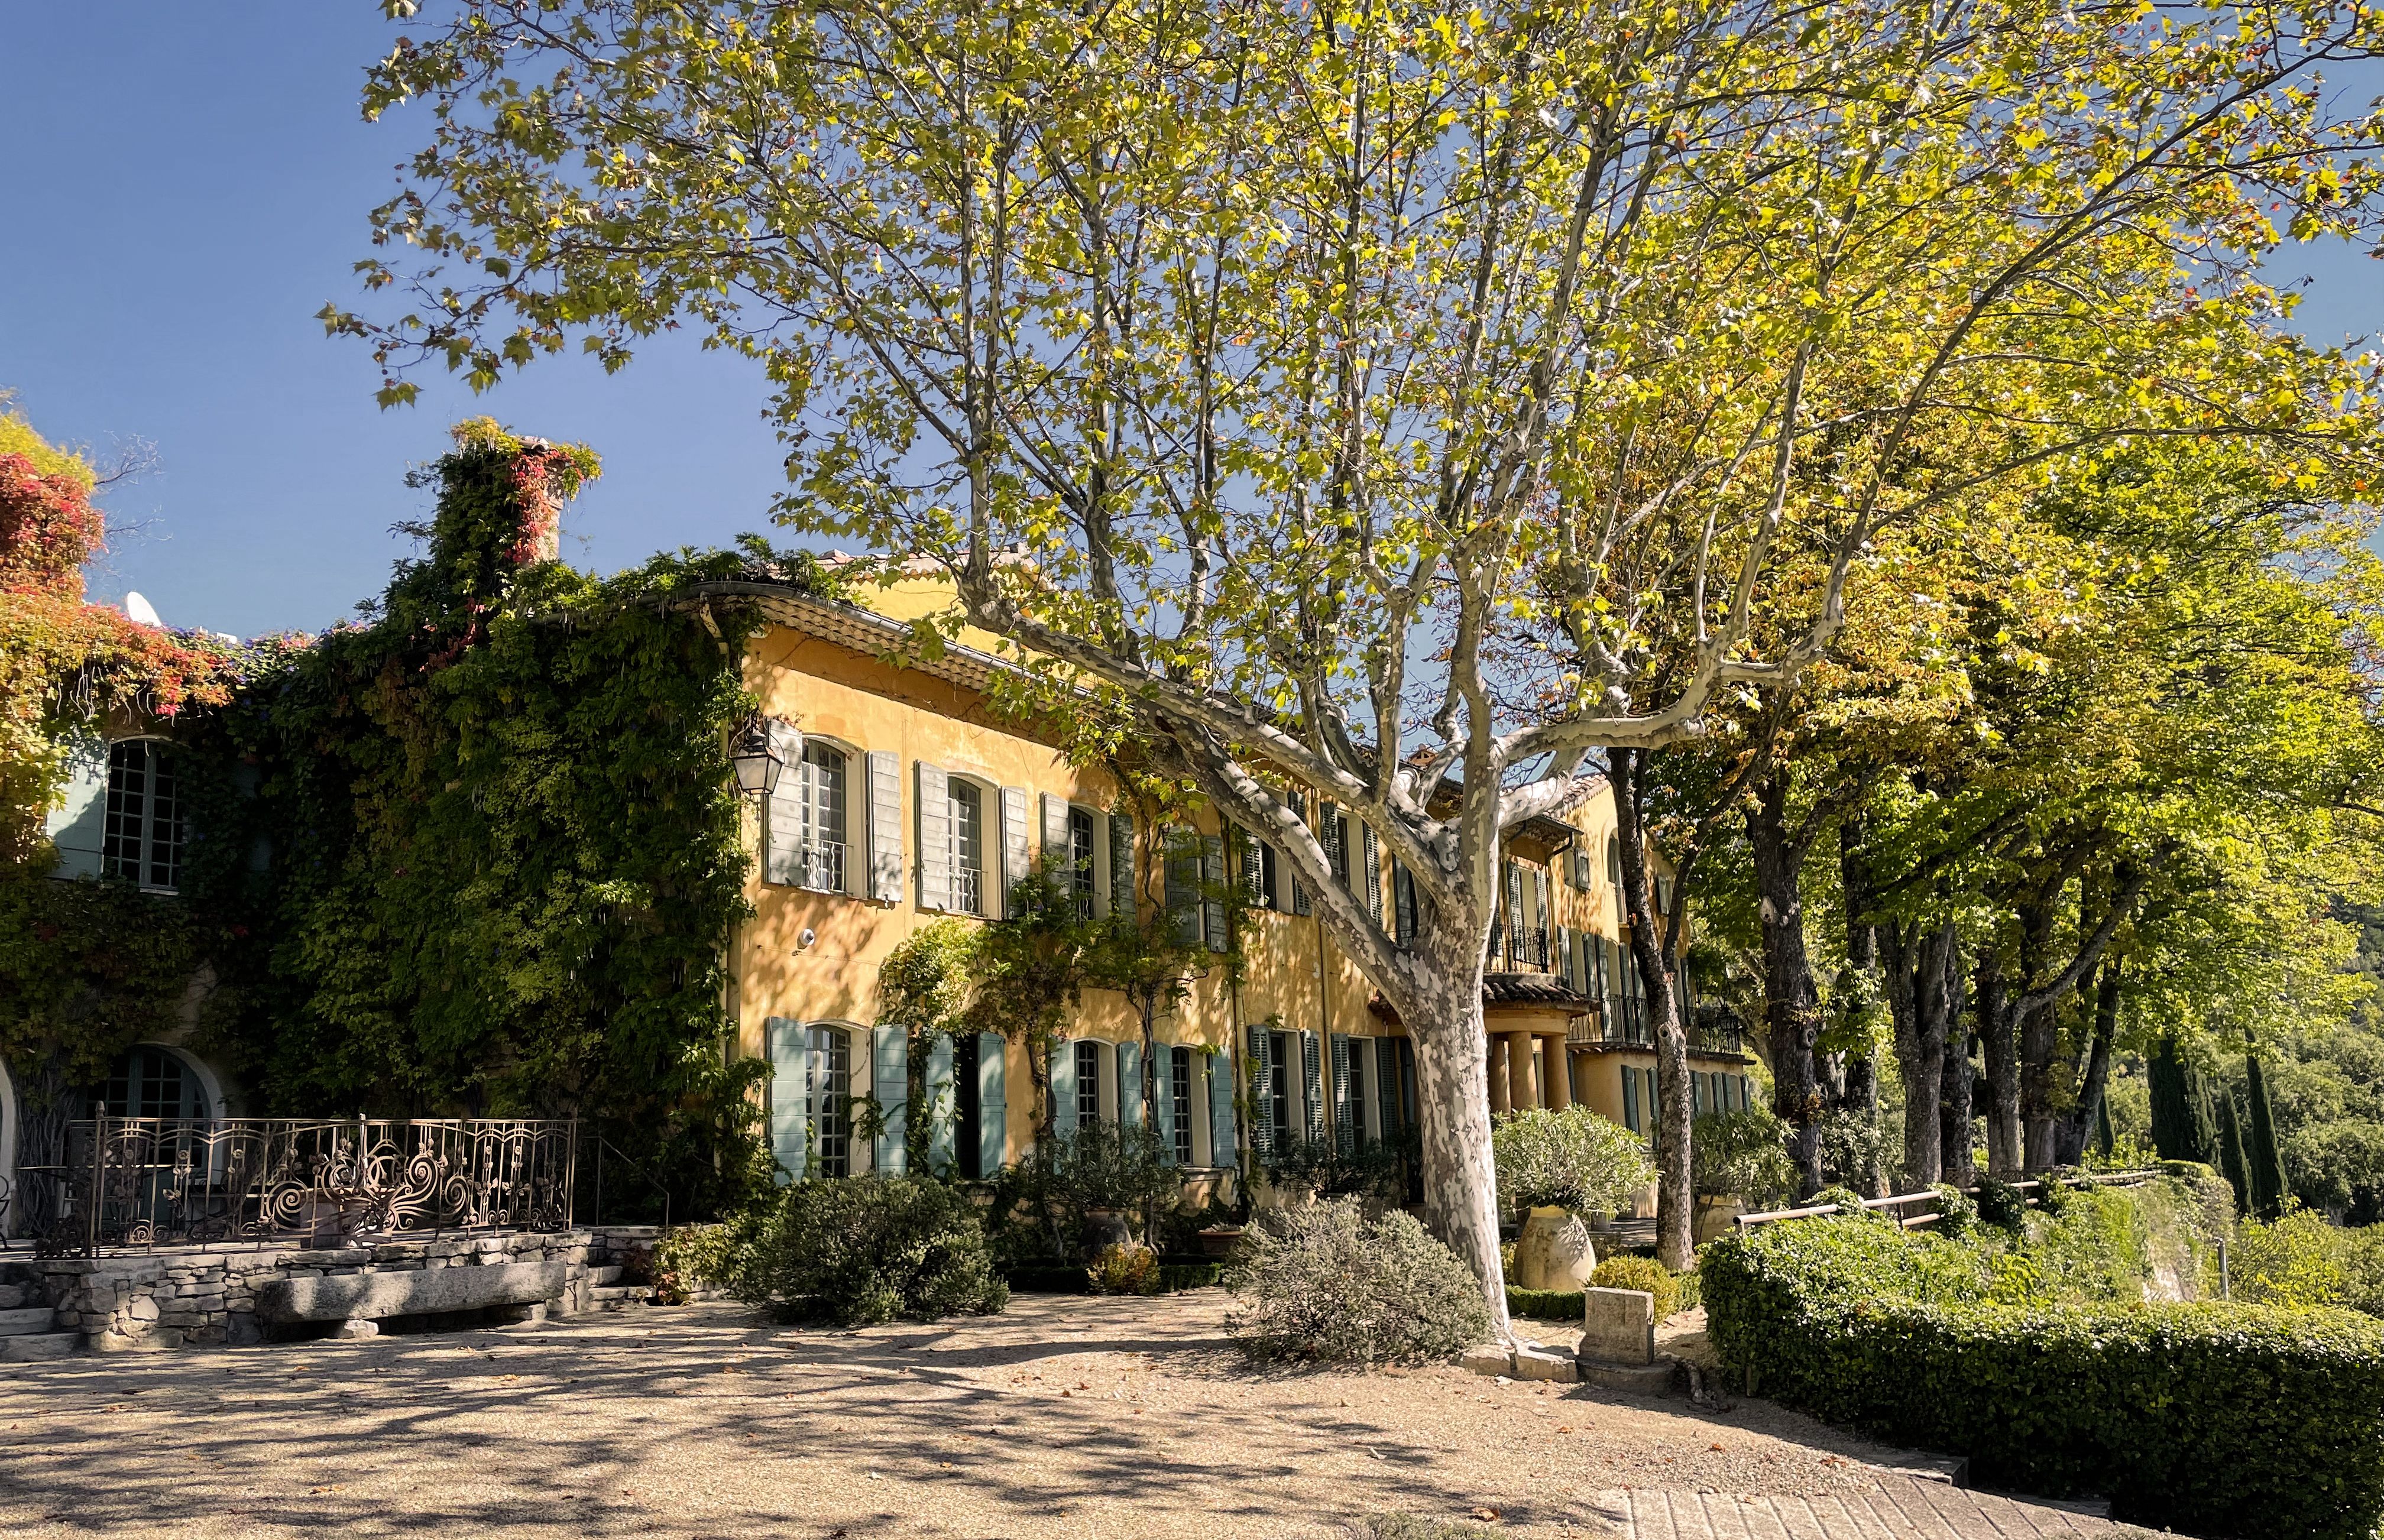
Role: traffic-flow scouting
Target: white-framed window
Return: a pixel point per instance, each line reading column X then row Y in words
column 820, row 792
column 1088, row 1083
column 967, row 847
column 1080, row 860
column 147, row 817
column 831, row 1109
column 1179, row 1090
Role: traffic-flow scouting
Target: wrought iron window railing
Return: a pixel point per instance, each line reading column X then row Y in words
column 140, row 1183
column 823, row 867
column 968, row 888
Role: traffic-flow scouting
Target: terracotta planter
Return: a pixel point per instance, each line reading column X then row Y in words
column 1554, row 1252
column 1218, row 1240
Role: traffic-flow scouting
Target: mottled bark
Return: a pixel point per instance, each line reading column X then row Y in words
column 1452, row 1052
column 1957, row 1163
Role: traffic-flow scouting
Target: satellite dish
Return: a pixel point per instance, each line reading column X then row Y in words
column 141, row 611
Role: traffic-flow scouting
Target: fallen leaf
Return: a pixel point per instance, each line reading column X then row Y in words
column 1564, row 1430
column 1487, row 1515
column 1718, row 1448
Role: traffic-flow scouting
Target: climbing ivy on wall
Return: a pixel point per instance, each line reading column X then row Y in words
column 85, row 967
column 500, row 849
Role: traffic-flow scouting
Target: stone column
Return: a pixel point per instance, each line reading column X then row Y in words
column 1499, row 1074
column 1556, row 1060
column 1520, row 1093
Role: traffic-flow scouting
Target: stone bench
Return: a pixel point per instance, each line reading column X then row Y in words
column 424, row 1291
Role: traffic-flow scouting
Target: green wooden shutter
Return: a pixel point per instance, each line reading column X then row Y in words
column 1129, row 1093
column 935, row 813
column 1373, row 871
column 1631, row 1099
column 1311, row 1091
column 1163, row 1063
column 78, row 829
column 992, row 1102
column 1064, row 1088
column 1263, row 1090
column 1222, row 1146
column 1344, row 1130
column 941, row 1105
column 1122, row 894
column 789, row 1095
column 1213, row 884
column 1386, row 1087
column 889, row 1072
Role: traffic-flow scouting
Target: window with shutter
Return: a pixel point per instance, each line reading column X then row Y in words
column 1183, row 881
column 1631, row 1099
column 889, row 1070
column 1386, row 1088
column 1064, row 1088
column 992, row 1102
column 1403, row 902
column 1223, row 1148
column 964, row 861
column 789, row 1096
column 1179, row 1087
column 819, row 796
column 1300, row 901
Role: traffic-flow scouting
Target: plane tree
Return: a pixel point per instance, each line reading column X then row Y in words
column 1251, row 366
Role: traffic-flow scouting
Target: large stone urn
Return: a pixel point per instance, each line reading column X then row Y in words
column 1554, row 1252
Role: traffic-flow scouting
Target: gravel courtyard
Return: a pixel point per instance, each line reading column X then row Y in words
column 1068, row 1417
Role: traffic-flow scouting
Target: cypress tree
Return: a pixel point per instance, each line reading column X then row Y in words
column 2182, row 1127
column 2232, row 1163
column 2265, row 1166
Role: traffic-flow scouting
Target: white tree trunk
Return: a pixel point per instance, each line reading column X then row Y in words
column 1452, row 1050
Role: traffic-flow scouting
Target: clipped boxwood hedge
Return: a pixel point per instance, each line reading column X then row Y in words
column 1544, row 1304
column 2219, row 1420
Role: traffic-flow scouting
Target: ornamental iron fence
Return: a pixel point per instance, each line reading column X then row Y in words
column 135, row 1184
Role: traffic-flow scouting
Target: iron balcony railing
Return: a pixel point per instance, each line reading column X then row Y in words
column 823, row 867
column 1524, row 948
column 141, row 1183
column 1628, row 1028
column 968, row 885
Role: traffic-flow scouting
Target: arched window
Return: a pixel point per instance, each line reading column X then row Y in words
column 154, row 1083
column 146, row 821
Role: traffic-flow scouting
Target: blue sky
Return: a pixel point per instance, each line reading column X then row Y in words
column 187, row 185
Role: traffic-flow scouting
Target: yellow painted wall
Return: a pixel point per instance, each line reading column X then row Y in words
column 863, row 704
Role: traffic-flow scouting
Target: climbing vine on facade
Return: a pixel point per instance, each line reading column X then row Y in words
column 500, row 850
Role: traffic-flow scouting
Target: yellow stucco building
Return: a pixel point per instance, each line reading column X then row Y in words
column 907, row 798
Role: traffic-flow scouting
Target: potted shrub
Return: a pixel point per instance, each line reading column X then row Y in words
column 1558, row 1167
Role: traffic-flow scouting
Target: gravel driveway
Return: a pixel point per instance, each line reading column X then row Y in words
column 1067, row 1417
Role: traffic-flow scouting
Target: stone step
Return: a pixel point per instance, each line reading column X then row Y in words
column 26, row 1322
column 599, row 1277
column 620, row 1296
column 1897, row 1507
column 38, row 1347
